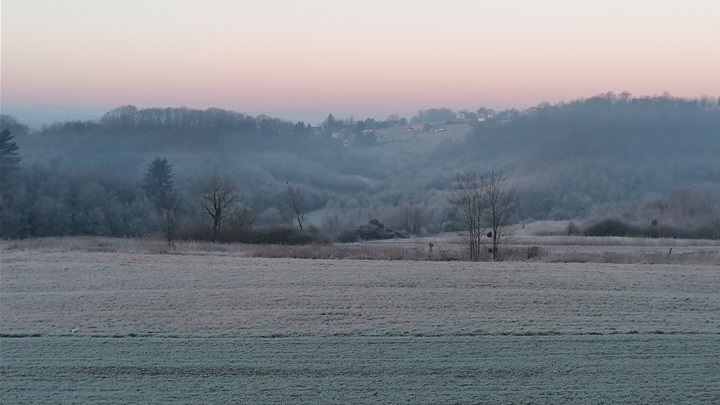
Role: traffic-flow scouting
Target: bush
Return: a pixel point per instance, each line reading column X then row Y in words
column 374, row 230
column 255, row 236
column 611, row 227
column 533, row 252
column 572, row 229
column 279, row 236
column 616, row 227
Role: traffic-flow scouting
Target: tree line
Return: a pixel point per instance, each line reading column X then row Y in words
column 601, row 157
column 44, row 202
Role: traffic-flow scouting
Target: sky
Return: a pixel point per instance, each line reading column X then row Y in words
column 361, row 58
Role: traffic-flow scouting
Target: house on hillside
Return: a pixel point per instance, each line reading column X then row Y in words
column 419, row 127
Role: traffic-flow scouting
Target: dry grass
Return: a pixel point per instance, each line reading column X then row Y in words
column 120, row 245
column 448, row 247
column 702, row 257
column 355, row 251
column 512, row 253
column 121, row 294
column 610, row 241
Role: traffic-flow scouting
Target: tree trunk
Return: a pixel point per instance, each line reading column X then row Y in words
column 216, row 227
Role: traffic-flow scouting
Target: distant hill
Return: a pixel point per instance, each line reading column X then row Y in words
column 604, row 151
column 609, row 155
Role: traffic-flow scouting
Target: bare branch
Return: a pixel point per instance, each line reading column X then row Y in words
column 294, row 206
column 217, row 195
column 484, row 205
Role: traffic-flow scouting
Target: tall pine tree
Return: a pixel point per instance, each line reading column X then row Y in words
column 9, row 157
column 158, row 182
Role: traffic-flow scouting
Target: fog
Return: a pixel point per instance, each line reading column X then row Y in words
column 641, row 159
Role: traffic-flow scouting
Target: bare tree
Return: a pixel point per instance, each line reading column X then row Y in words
column 217, row 196
column 483, row 203
column 294, row 206
column 241, row 219
column 500, row 205
column 467, row 197
column 170, row 210
column 331, row 224
column 410, row 218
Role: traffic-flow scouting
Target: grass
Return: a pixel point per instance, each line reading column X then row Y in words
column 355, row 252
column 90, row 320
column 556, row 240
column 701, row 257
column 448, row 247
column 122, row 320
column 120, row 245
column 461, row 370
column 512, row 253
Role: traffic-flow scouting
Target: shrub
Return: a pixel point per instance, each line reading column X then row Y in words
column 533, row 252
column 373, row 230
column 281, row 235
column 616, row 227
column 609, row 227
column 572, row 229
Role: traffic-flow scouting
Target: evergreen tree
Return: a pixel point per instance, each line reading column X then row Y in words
column 158, row 182
column 9, row 157
column 9, row 186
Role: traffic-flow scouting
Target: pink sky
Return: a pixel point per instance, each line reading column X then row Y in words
column 353, row 58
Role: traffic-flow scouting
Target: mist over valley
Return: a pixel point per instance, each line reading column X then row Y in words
column 641, row 159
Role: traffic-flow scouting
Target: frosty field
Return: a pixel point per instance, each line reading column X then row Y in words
column 116, row 327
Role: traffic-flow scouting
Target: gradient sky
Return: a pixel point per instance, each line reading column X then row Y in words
column 354, row 57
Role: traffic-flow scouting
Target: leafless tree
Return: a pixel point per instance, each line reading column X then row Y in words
column 170, row 210
column 467, row 197
column 241, row 219
column 484, row 204
column 216, row 196
column 410, row 218
column 500, row 205
column 331, row 224
column 294, row 206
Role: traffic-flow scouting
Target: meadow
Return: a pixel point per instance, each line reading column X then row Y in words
column 97, row 320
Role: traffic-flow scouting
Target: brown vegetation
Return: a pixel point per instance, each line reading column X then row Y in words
column 547, row 249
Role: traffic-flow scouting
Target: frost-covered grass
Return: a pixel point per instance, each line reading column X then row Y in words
column 359, row 251
column 523, row 246
column 536, row 249
column 622, row 369
column 119, row 245
column 121, row 324
column 108, row 293
column 559, row 240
